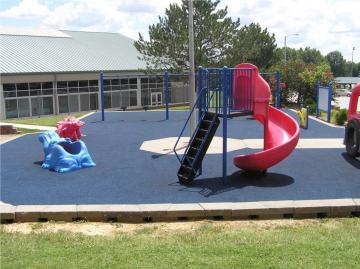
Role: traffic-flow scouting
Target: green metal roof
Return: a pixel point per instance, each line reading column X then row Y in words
column 74, row 51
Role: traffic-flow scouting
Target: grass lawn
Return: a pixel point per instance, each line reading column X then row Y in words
column 328, row 243
column 44, row 120
column 28, row 131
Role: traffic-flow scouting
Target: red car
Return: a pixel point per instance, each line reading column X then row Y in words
column 352, row 130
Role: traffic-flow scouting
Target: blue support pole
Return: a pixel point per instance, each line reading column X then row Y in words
column 278, row 89
column 317, row 98
column 224, row 86
column 200, row 102
column 166, row 81
column 329, row 102
column 102, row 96
column 200, row 87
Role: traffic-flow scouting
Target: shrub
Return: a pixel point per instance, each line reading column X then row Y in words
column 311, row 104
column 341, row 116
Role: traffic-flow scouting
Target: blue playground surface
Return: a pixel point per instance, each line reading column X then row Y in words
column 124, row 174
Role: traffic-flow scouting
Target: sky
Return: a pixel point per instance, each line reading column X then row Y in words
column 326, row 25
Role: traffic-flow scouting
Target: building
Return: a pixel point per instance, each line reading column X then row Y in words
column 347, row 82
column 47, row 72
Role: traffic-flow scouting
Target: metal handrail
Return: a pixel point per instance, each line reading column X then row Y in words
column 196, row 129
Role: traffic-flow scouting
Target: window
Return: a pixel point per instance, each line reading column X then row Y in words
column 48, row 106
column 62, row 87
column 74, row 103
column 133, row 98
column 93, row 85
column 11, row 109
column 73, row 86
column 63, row 104
column 35, row 89
column 9, row 90
column 24, row 107
column 84, row 102
column 47, row 88
column 83, row 86
column 115, row 84
column 36, row 106
column 22, row 89
column 107, row 84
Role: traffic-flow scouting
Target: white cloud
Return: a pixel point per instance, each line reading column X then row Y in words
column 326, row 25
column 26, row 9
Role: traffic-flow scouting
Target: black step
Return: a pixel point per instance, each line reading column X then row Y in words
column 198, row 147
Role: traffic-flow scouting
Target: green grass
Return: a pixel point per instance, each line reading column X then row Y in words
column 28, row 131
column 44, row 120
column 325, row 244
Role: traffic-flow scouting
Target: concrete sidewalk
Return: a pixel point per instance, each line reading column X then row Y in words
column 30, row 126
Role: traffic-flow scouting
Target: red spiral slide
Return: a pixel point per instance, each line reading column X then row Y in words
column 281, row 132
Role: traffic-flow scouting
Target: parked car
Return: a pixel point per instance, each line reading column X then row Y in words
column 352, row 129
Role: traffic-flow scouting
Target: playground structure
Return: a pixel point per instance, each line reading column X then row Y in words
column 62, row 154
column 352, row 130
column 231, row 92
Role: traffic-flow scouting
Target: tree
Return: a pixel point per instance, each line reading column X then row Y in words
column 253, row 44
column 300, row 79
column 337, row 63
column 167, row 46
column 309, row 55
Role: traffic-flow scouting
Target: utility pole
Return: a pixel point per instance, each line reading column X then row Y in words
column 352, row 61
column 285, row 44
column 192, row 68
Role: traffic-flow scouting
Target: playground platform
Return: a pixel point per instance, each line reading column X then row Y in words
column 136, row 166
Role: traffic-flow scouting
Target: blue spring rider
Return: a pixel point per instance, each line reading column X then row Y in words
column 62, row 154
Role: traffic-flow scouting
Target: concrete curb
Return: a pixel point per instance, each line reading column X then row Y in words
column 175, row 212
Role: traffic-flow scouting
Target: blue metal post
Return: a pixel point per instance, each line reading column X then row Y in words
column 224, row 86
column 278, row 89
column 102, row 96
column 166, row 81
column 200, row 102
column 199, row 90
column 329, row 102
column 317, row 98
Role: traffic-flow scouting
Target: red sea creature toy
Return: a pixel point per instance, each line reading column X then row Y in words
column 70, row 128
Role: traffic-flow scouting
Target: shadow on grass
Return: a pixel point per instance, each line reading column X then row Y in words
column 353, row 161
column 212, row 186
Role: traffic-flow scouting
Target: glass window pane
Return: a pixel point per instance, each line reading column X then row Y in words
column 22, row 86
column 36, row 106
column 48, row 106
column 73, row 86
column 84, row 102
column 74, row 103
column 93, row 101
column 11, row 109
column 115, row 99
column 47, row 92
column 9, row 90
column 83, row 86
column 62, row 84
column 63, row 104
column 125, row 98
column 47, row 85
column 107, row 100
column 133, row 98
column 24, row 107
column 35, row 86
column 133, row 81
column 93, row 85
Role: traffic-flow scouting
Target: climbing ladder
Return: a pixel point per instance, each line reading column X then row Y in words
column 216, row 99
